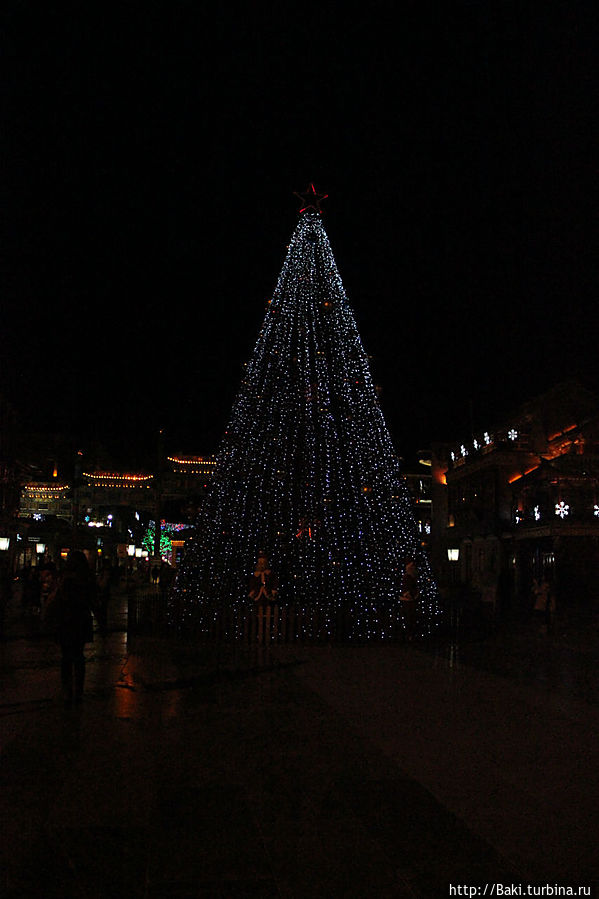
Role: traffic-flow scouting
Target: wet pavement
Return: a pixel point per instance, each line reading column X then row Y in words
column 299, row 771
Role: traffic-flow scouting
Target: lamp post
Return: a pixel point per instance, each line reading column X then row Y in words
column 5, row 580
column 453, row 557
column 130, row 557
column 157, row 555
column 455, row 604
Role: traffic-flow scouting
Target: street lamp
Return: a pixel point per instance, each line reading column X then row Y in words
column 453, row 556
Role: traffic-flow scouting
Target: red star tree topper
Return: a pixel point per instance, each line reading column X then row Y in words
column 311, row 199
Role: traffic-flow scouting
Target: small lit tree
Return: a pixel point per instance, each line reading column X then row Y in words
column 166, row 539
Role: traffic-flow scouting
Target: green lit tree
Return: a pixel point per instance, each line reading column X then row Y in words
column 166, row 539
column 307, row 471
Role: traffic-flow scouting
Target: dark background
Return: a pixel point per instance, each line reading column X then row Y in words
column 150, row 155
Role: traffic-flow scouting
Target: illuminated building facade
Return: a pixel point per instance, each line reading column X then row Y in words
column 419, row 480
column 115, row 507
column 184, row 482
column 100, row 490
column 39, row 500
column 521, row 501
column 185, row 475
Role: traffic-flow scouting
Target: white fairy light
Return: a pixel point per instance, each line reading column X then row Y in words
column 306, row 472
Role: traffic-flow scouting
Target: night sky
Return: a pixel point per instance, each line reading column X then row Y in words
column 149, row 157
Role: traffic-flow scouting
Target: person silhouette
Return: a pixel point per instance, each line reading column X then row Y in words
column 75, row 600
column 409, row 595
column 263, row 583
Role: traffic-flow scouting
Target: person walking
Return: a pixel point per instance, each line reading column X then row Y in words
column 75, row 600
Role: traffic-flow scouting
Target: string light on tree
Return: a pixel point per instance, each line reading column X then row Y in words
column 306, row 471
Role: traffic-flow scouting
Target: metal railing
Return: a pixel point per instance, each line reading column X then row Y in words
column 267, row 622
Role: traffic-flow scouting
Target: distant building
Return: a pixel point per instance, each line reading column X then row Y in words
column 111, row 509
column 419, row 482
column 46, row 498
column 192, row 470
column 100, row 491
column 184, row 482
column 186, row 475
column 521, row 500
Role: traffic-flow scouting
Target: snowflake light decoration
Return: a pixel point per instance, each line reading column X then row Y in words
column 562, row 509
column 487, row 438
column 537, row 513
column 512, row 434
column 596, row 510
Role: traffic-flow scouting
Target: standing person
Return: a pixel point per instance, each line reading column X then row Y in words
column 31, row 598
column 48, row 586
column 165, row 578
column 5, row 594
column 544, row 599
column 488, row 597
column 409, row 595
column 75, row 599
column 263, row 583
column 103, row 599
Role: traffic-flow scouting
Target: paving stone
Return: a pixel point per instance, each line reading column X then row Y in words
column 296, row 771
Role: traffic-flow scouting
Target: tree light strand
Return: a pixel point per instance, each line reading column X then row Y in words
column 307, row 473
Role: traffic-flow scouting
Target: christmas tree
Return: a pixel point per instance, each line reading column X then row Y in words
column 307, row 473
